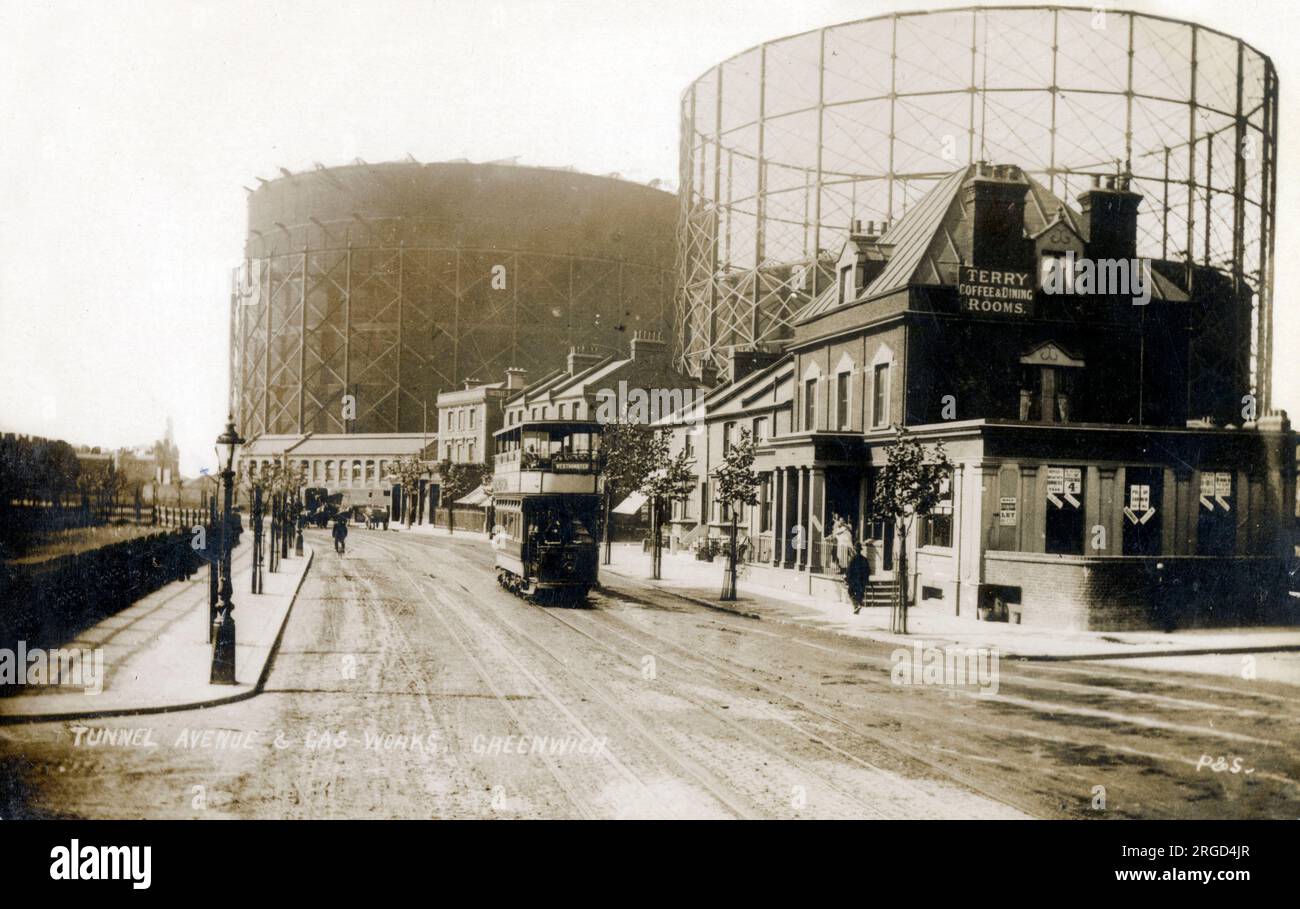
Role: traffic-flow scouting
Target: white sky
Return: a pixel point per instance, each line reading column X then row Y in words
column 127, row 131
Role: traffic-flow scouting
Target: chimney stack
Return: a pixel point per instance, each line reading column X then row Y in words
column 741, row 363
column 708, row 374
column 648, row 345
column 995, row 197
column 869, row 231
column 516, row 377
column 581, row 358
column 1110, row 212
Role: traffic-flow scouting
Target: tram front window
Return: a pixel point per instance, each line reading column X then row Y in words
column 559, row 528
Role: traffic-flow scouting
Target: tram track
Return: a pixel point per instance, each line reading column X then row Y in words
column 935, row 806
column 985, row 724
column 579, row 803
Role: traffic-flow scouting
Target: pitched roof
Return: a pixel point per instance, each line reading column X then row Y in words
column 908, row 239
column 922, row 244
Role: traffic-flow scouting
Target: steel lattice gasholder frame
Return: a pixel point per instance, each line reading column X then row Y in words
column 784, row 145
column 393, row 282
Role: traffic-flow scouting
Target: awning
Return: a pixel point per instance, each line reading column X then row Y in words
column 631, row 505
column 477, row 496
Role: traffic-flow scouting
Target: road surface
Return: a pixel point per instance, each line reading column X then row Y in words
column 408, row 684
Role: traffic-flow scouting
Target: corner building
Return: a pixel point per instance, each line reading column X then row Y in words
column 1108, row 472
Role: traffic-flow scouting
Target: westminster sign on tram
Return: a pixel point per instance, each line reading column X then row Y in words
column 995, row 292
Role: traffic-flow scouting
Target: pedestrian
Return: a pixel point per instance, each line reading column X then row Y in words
column 340, row 535
column 857, row 576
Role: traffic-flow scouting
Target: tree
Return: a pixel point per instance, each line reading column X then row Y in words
column 910, row 485
column 408, row 470
column 626, row 450
column 669, row 480
column 458, row 479
column 735, row 484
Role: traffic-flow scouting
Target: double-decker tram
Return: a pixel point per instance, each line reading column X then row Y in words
column 547, row 497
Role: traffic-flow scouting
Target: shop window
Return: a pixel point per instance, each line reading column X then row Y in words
column 1143, row 499
column 1063, row 524
column 1216, row 521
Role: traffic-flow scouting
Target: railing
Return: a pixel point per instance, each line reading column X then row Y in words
column 164, row 516
column 833, row 556
column 68, row 593
column 756, row 551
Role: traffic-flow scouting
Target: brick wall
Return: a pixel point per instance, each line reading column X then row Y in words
column 1117, row 594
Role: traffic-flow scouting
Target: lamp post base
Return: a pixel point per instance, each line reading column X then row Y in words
column 223, row 651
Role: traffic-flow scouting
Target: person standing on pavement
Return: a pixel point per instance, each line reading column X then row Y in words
column 340, row 535
column 856, row 577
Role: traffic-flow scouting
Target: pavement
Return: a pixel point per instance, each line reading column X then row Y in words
column 156, row 654
column 701, row 583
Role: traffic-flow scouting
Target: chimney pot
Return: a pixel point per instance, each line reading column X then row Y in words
column 647, row 344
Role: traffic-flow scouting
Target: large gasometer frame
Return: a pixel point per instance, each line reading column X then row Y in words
column 784, row 145
column 387, row 283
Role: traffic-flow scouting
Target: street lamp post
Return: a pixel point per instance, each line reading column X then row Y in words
column 223, row 634
column 297, row 518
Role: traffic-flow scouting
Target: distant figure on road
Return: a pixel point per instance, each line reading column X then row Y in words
column 857, row 575
column 340, row 535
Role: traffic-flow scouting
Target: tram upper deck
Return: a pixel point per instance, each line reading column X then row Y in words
column 548, row 456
